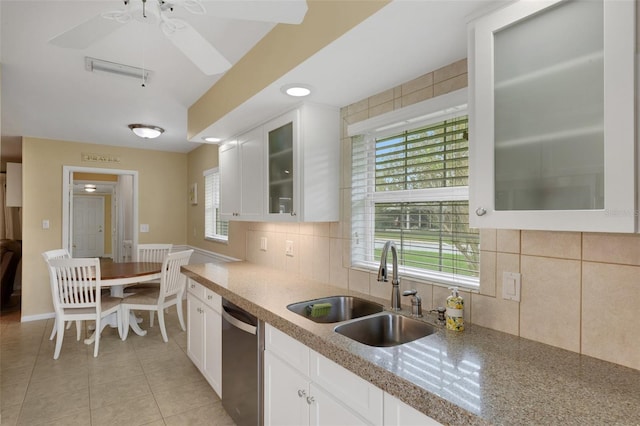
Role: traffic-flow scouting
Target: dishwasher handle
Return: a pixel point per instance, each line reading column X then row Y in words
column 251, row 329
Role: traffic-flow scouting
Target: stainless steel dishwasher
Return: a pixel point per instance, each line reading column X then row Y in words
column 242, row 349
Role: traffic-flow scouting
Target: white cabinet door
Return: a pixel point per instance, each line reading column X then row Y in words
column 195, row 330
column 212, row 365
column 241, row 177
column 303, row 165
column 327, row 411
column 397, row 413
column 285, row 393
column 552, row 116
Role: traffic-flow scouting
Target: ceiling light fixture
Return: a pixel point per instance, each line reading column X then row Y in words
column 211, row 139
column 146, row 131
column 89, row 187
column 296, row 90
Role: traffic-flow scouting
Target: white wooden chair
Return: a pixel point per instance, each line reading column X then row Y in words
column 150, row 253
column 61, row 254
column 75, row 287
column 172, row 287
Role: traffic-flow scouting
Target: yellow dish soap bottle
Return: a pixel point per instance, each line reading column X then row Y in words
column 455, row 311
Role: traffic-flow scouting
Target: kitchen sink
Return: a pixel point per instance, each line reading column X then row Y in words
column 385, row 330
column 335, row 308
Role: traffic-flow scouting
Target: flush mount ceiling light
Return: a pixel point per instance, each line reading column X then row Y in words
column 211, row 139
column 146, row 131
column 296, row 90
column 89, row 187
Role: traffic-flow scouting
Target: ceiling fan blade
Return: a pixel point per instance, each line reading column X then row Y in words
column 87, row 33
column 195, row 47
column 282, row 11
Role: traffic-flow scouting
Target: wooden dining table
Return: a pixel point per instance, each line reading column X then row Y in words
column 116, row 275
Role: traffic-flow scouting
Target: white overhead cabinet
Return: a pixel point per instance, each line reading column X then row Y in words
column 552, row 139
column 241, row 171
column 289, row 171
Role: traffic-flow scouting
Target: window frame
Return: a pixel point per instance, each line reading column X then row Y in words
column 410, row 118
column 210, row 211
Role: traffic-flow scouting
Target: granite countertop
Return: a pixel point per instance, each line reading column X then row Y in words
column 479, row 376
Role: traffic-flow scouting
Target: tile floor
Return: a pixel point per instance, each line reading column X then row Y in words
column 141, row 381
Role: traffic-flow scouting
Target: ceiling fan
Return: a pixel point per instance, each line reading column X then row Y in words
column 187, row 39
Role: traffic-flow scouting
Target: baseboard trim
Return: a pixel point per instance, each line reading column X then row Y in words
column 37, row 317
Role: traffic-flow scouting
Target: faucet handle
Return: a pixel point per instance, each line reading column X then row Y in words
column 416, row 302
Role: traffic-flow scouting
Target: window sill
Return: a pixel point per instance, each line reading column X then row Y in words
column 219, row 240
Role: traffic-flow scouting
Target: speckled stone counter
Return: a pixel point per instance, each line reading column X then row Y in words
column 479, row 376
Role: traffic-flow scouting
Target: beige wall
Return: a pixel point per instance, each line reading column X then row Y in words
column 162, row 203
column 204, row 158
column 580, row 291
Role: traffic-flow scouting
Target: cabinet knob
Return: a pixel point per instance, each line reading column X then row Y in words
column 310, row 400
column 210, row 296
column 481, row 211
column 301, row 393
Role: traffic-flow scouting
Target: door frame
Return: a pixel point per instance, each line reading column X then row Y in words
column 67, row 200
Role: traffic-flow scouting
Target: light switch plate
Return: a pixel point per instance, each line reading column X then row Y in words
column 511, row 286
column 144, row 227
column 45, row 224
column 289, row 248
column 263, row 243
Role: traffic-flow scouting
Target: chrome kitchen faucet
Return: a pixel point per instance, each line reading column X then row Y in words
column 382, row 274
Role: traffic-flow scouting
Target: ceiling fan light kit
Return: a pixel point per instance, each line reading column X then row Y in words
column 146, row 131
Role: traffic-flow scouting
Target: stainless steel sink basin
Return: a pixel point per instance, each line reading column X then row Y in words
column 335, row 308
column 385, row 330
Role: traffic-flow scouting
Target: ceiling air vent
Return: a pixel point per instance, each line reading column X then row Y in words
column 93, row 64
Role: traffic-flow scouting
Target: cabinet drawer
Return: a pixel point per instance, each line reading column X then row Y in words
column 287, row 348
column 196, row 289
column 212, row 299
column 356, row 393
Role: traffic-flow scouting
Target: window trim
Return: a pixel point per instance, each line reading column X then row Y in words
column 413, row 117
column 219, row 238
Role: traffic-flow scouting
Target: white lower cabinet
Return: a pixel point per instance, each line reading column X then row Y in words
column 302, row 387
column 204, row 333
column 397, row 413
column 293, row 397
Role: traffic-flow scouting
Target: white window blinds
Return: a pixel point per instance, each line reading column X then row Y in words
column 214, row 227
column 411, row 187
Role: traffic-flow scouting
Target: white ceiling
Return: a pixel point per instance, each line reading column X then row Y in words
column 47, row 93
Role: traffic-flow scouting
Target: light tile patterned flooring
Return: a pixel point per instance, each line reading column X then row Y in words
column 141, row 381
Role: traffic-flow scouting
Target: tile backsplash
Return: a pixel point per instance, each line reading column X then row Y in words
column 580, row 291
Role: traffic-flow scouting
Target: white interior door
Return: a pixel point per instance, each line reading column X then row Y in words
column 88, row 226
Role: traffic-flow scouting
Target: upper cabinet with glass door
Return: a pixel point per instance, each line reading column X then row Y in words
column 552, row 139
column 303, row 165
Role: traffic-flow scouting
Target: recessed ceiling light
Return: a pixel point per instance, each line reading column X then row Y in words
column 146, row 131
column 211, row 139
column 296, row 90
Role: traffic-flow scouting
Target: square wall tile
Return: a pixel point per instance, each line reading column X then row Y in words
column 488, row 273
column 612, row 248
column 508, row 241
column 488, row 239
column 321, row 258
column 496, row 313
column 359, row 281
column 610, row 303
column 550, row 301
column 338, row 274
column 564, row 245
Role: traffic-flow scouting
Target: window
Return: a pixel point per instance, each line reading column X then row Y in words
column 214, row 227
column 410, row 186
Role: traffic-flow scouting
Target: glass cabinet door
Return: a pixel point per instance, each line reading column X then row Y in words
column 552, row 116
column 281, row 171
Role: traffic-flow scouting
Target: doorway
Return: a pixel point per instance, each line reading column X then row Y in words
column 116, row 197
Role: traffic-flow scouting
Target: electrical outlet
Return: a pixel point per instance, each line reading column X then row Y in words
column 144, row 227
column 288, row 248
column 263, row 243
column 45, row 224
column 511, row 286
